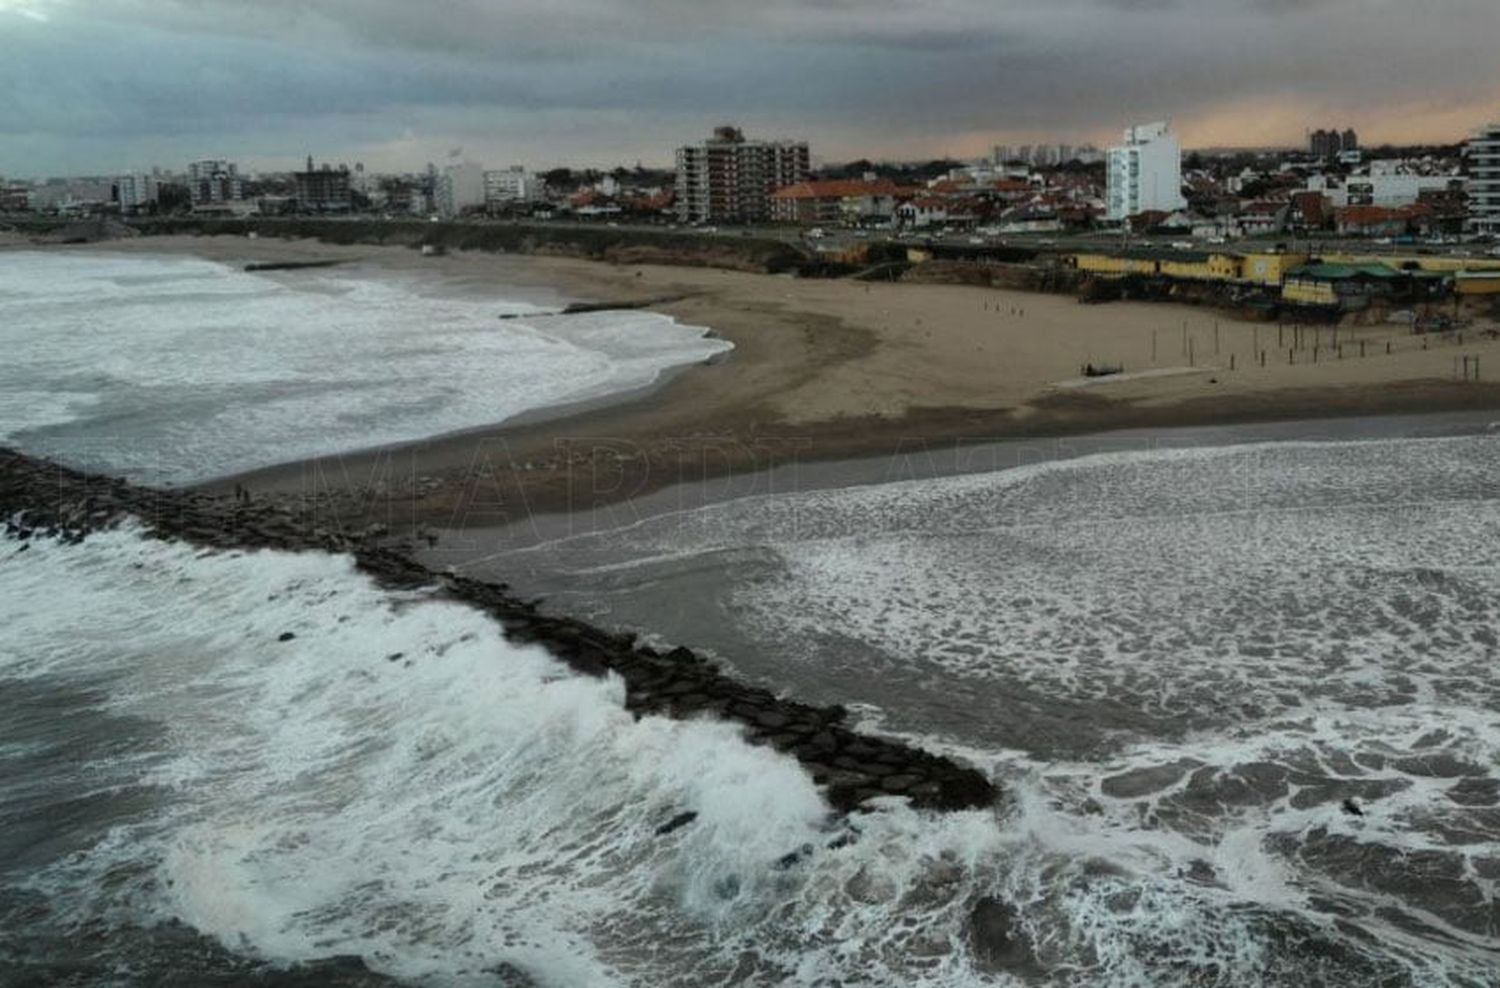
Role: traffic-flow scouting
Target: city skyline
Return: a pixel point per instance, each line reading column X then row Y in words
column 122, row 85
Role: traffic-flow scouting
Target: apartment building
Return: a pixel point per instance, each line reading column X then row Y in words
column 461, row 186
column 1144, row 173
column 513, row 184
column 729, row 179
column 1482, row 163
column 134, row 192
column 323, row 190
column 213, row 181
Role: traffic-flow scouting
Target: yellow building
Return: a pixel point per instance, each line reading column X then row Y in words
column 1420, row 262
column 1308, row 291
column 1477, row 282
column 1261, row 268
column 1268, row 268
column 1116, row 265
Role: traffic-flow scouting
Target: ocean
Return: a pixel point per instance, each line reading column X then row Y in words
column 1239, row 699
column 171, row 369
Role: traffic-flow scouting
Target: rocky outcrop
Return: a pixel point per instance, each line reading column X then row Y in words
column 39, row 498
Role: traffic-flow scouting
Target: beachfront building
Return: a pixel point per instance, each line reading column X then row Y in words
column 135, row 192
column 323, row 190
column 1144, row 173
column 213, row 182
column 513, row 184
column 460, row 187
column 826, row 203
column 729, row 179
column 1483, row 166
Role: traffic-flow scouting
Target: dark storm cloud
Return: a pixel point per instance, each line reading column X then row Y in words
column 604, row 80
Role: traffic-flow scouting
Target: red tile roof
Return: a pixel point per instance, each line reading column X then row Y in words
column 1363, row 215
column 836, row 189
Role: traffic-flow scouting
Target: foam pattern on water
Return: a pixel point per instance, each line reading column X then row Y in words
column 178, row 369
column 400, row 782
column 1271, row 666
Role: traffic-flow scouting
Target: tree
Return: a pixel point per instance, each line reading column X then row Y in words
column 171, row 198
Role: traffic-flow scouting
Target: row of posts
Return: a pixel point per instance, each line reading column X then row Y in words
column 1466, row 368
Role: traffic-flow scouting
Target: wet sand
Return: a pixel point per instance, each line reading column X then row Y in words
column 837, row 370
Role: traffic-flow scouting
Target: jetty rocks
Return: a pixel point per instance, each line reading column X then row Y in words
column 41, row 498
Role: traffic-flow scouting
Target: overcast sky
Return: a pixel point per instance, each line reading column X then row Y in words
column 113, row 85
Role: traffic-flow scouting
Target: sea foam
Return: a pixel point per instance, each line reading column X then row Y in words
column 174, row 369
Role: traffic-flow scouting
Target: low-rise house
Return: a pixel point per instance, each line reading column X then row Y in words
column 1030, row 218
column 1344, row 286
column 922, row 211
column 826, row 203
column 1383, row 221
column 1262, row 217
column 1309, row 211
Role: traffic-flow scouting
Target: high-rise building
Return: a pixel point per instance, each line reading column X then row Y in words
column 322, row 190
column 1482, row 165
column 513, row 184
column 1145, row 172
column 1330, row 143
column 212, row 181
column 460, row 187
column 135, row 191
column 730, row 179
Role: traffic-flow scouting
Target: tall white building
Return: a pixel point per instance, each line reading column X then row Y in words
column 460, row 187
column 1483, row 166
column 134, row 191
column 1145, row 172
column 213, row 180
column 513, row 184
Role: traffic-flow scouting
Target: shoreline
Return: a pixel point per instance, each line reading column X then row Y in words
column 470, row 549
column 827, row 370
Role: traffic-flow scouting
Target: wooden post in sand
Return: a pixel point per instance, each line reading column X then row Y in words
column 1263, row 358
column 1216, row 337
column 1190, row 353
column 1231, row 361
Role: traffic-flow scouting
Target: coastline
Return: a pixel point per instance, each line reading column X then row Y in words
column 42, row 499
column 833, row 370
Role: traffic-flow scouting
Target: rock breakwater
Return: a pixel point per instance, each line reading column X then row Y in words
column 39, row 498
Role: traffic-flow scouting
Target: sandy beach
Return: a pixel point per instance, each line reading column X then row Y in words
column 826, row 369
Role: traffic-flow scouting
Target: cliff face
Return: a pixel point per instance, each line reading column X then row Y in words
column 596, row 243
